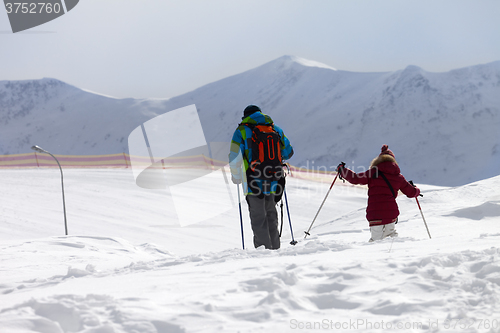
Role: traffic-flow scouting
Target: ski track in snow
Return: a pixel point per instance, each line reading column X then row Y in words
column 92, row 283
column 282, row 283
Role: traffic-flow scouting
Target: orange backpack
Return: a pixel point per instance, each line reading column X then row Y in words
column 265, row 162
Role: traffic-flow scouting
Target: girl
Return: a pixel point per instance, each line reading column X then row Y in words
column 384, row 180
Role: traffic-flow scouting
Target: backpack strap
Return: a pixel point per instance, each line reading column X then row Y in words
column 251, row 126
column 388, row 183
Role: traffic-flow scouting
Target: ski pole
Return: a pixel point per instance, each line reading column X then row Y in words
column 307, row 232
column 421, row 213
column 281, row 227
column 391, row 244
column 293, row 242
column 241, row 218
column 420, row 208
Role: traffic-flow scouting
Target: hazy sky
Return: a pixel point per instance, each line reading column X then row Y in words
column 162, row 48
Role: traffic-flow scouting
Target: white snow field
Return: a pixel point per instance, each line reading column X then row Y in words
column 127, row 266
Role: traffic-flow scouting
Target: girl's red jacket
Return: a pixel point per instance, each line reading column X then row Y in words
column 382, row 207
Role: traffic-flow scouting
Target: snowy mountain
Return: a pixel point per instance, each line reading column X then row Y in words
column 66, row 120
column 439, row 125
column 443, row 127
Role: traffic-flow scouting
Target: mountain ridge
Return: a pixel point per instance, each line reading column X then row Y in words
column 328, row 114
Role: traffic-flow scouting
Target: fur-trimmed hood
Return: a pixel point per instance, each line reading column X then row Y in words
column 382, row 158
column 385, row 163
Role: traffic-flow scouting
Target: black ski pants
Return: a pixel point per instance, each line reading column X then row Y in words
column 264, row 220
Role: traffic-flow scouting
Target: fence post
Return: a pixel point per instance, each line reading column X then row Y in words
column 126, row 163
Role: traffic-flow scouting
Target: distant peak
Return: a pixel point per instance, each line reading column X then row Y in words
column 51, row 80
column 413, row 68
column 494, row 64
column 410, row 71
column 44, row 81
column 289, row 60
column 33, row 87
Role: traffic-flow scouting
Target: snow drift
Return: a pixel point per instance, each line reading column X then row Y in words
column 126, row 268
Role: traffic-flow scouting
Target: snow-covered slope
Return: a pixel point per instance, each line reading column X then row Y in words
column 67, row 120
column 443, row 127
column 125, row 267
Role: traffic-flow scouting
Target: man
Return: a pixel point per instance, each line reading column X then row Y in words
column 260, row 147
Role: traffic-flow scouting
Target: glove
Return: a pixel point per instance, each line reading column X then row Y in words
column 418, row 190
column 340, row 167
column 235, row 180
